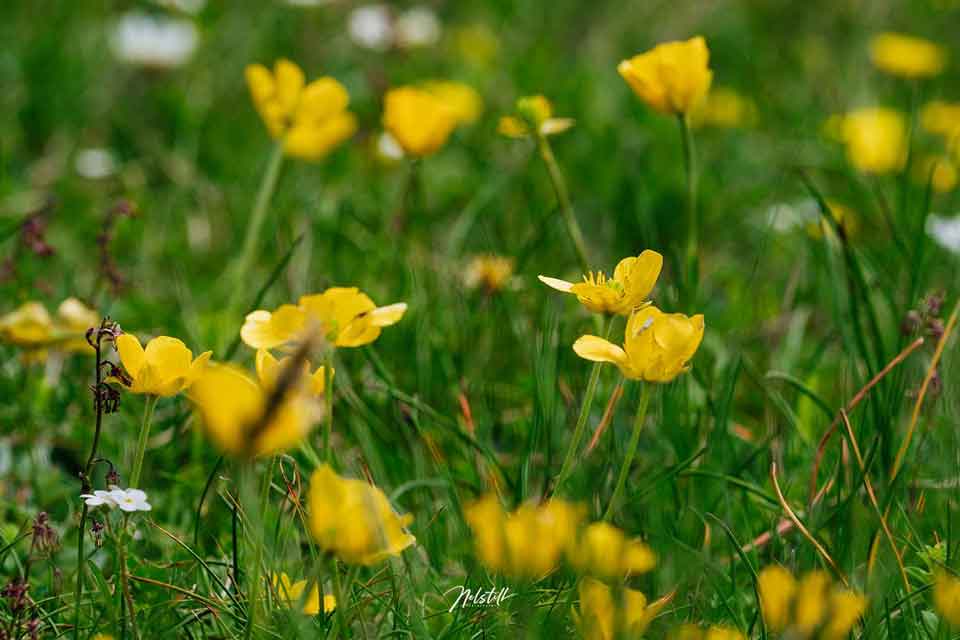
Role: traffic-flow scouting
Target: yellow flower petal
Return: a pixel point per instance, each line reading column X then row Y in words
column 597, row 349
column 132, row 356
column 556, row 283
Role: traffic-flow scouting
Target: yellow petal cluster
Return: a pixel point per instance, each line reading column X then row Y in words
column 344, row 316
column 462, row 99
column 672, row 77
column 236, row 412
column 657, row 346
column 724, row 108
column 811, row 607
column 419, row 120
column 165, row 368
column 491, row 272
column 354, row 519
column 291, row 593
column 31, row 327
column 693, row 632
column 269, row 369
column 534, row 113
column 875, row 139
column 605, row 614
column 604, row 551
column 633, row 280
column 907, row 56
column 946, row 597
column 311, row 119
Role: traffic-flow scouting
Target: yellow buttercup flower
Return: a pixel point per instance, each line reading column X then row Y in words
column 657, row 346
column 633, row 280
column 603, row 550
column 489, row 271
column 946, row 597
column 418, row 120
column 32, row 328
column 812, row 607
column 462, row 99
column 529, row 542
column 345, row 316
column 233, row 412
column 907, row 56
column 536, row 112
column 939, row 170
column 311, row 119
column 693, row 632
column 165, row 368
column 724, row 108
column 672, row 77
column 876, row 139
column 354, row 519
column 601, row 617
column 941, row 118
column 269, row 369
column 291, row 593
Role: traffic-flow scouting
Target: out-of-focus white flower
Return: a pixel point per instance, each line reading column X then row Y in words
column 153, row 41
column 388, row 147
column 371, row 26
column 192, row 7
column 99, row 498
column 945, row 231
column 130, row 500
column 94, row 163
column 418, row 27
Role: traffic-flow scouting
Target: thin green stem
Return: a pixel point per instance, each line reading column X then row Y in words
column 338, row 596
column 257, row 217
column 563, row 197
column 631, row 451
column 328, row 400
column 693, row 221
column 148, row 407
column 569, row 459
column 125, row 576
column 257, row 526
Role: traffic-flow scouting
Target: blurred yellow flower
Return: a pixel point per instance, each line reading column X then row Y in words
column 489, row 271
column 234, row 412
column 603, row 551
column 941, row 118
column 535, row 111
column 844, row 216
column 724, row 107
column 462, row 99
column 529, row 542
column 693, row 632
column 808, row 608
column 657, row 346
column 419, row 121
column 311, row 119
column 345, row 316
column 940, row 171
column 907, row 56
column 946, row 597
column 269, row 369
column 32, row 328
column 601, row 617
column 876, row 139
column 165, row 368
column 291, row 593
column 672, row 77
column 354, row 519
column 633, row 280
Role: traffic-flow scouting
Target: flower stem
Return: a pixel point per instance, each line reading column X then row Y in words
column 142, row 439
column 125, row 577
column 638, row 421
column 328, row 400
column 568, row 461
column 257, row 523
column 693, row 222
column 257, row 217
column 563, row 197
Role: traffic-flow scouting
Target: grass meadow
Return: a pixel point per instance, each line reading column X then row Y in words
column 479, row 319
